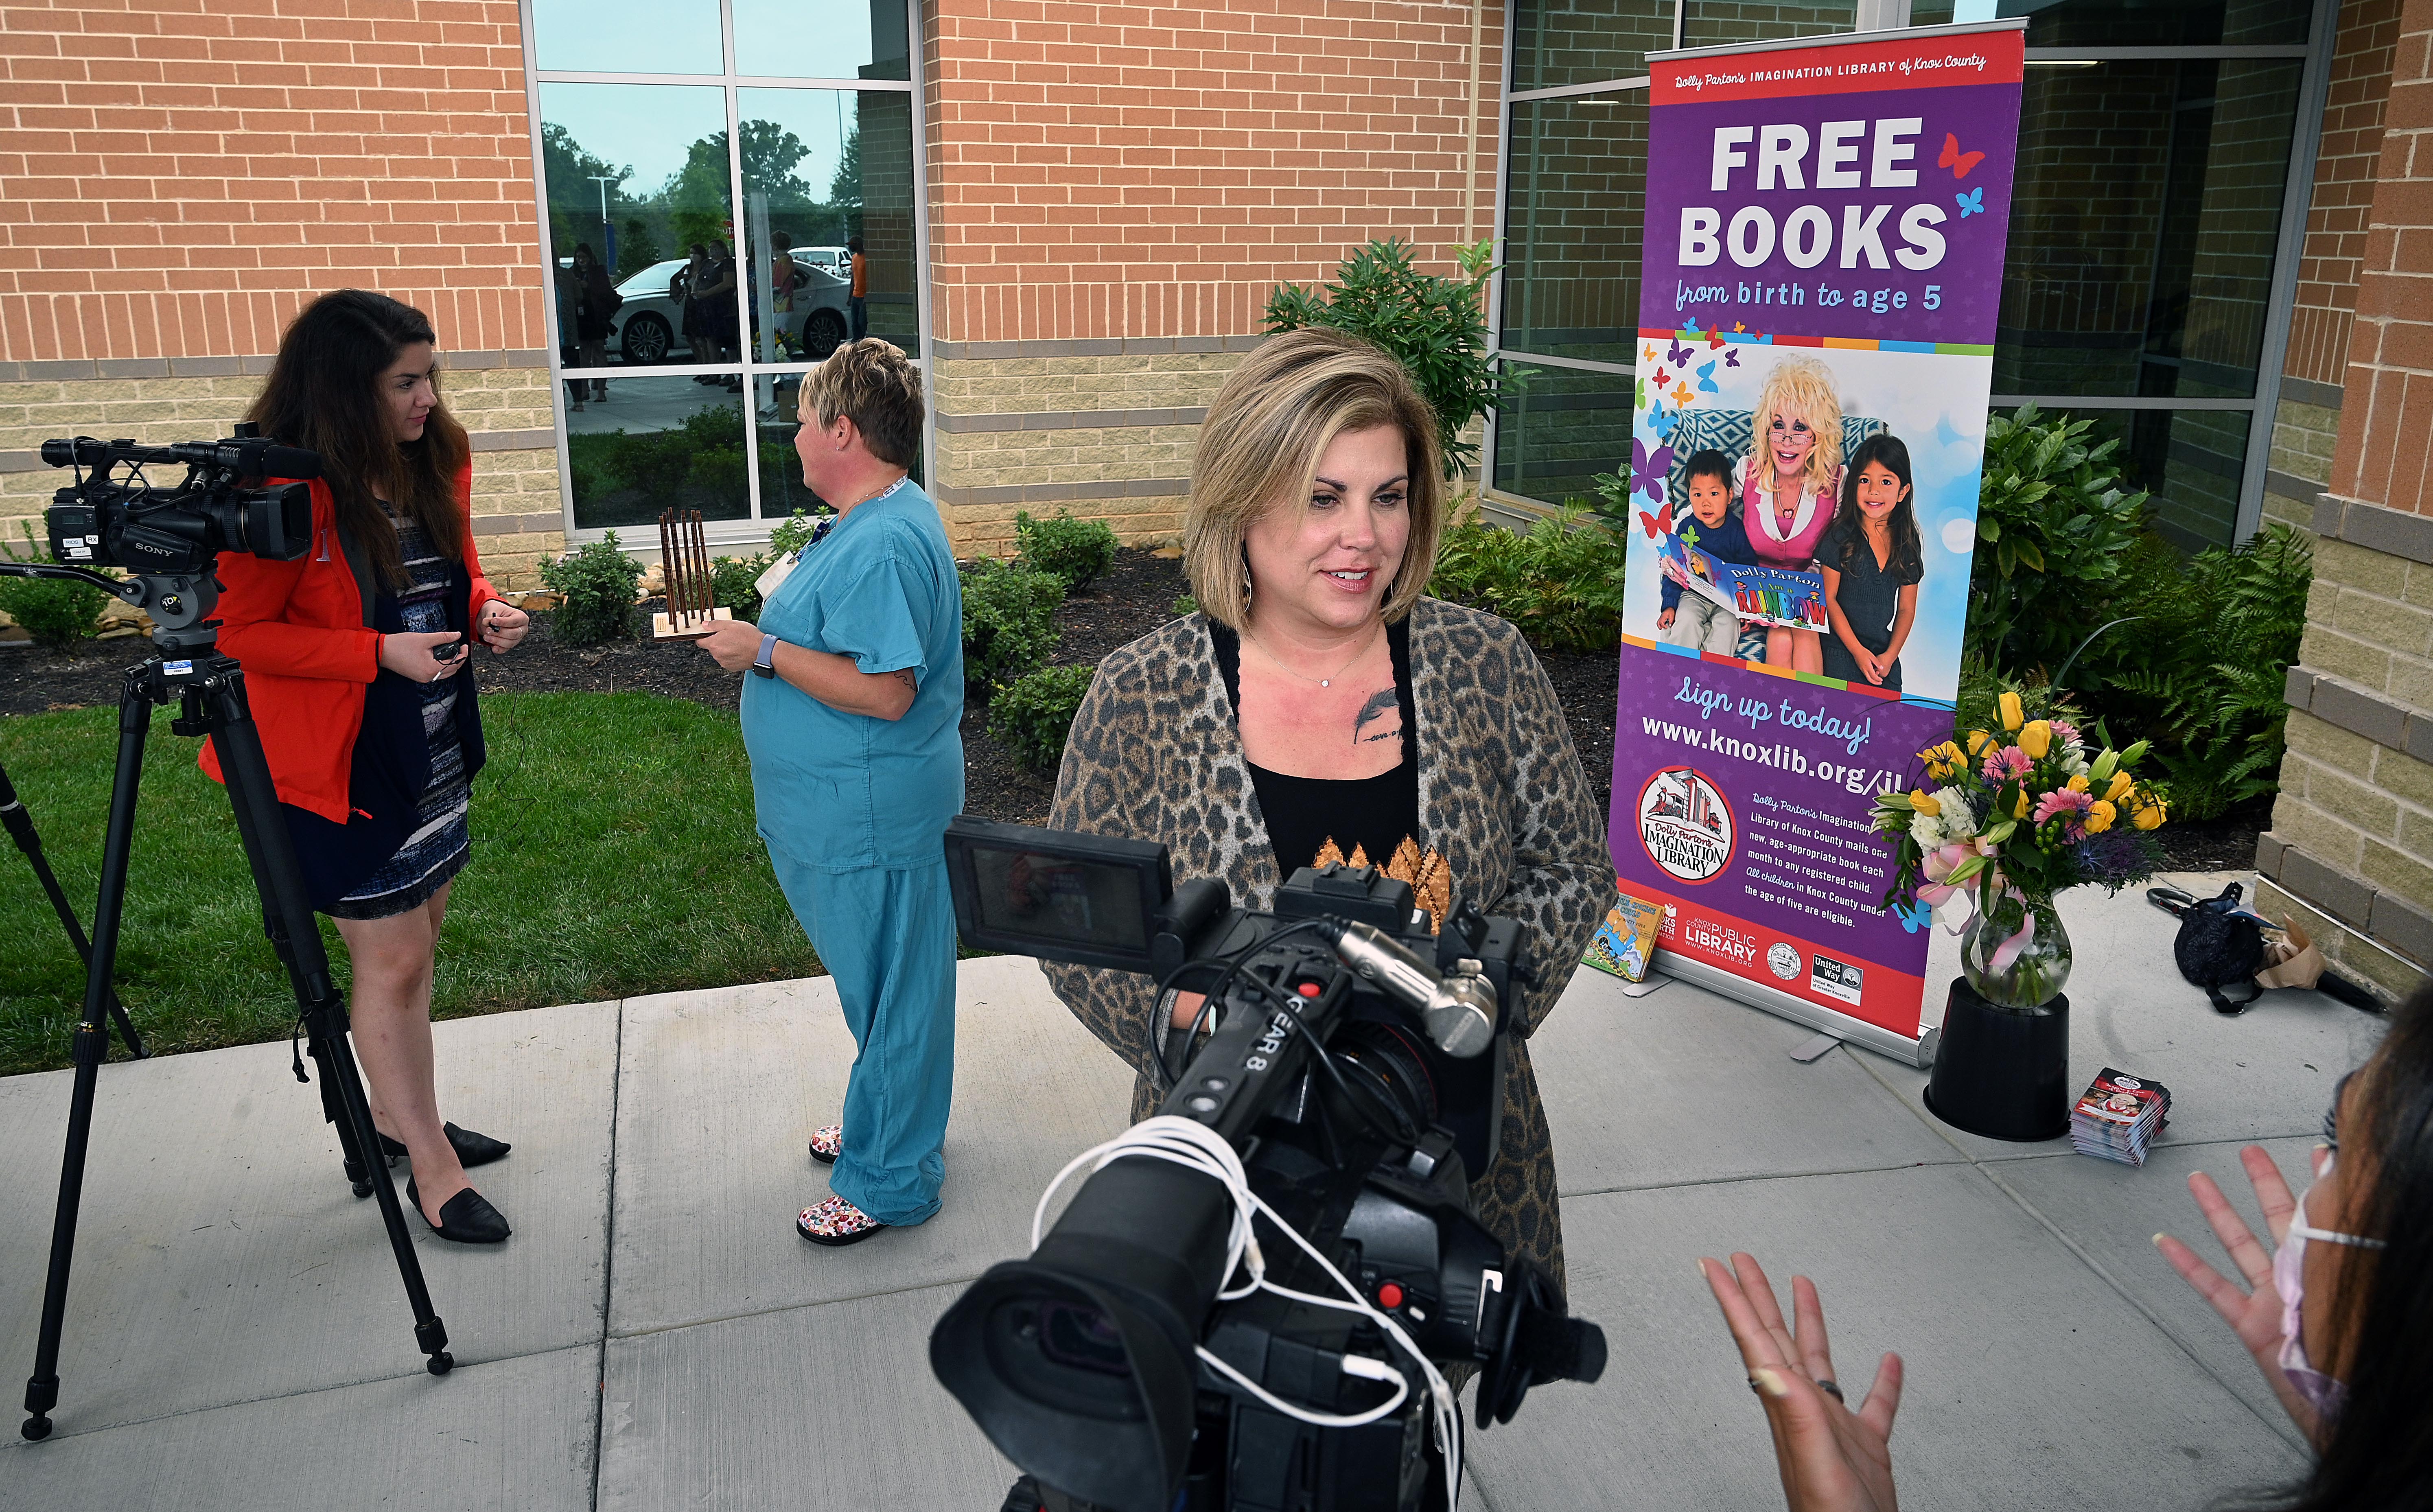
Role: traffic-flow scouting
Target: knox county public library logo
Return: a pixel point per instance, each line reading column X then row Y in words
column 1685, row 825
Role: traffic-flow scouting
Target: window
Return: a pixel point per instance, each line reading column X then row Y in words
column 2152, row 240
column 683, row 327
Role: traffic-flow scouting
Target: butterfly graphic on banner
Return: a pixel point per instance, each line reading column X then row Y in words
column 1955, row 160
column 1648, row 472
column 1707, row 380
column 1678, row 355
column 1663, row 380
column 1971, row 203
column 1664, row 422
column 1914, row 916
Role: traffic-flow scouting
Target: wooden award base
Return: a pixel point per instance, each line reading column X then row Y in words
column 694, row 628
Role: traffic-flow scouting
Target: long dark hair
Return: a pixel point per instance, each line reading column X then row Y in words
column 1850, row 523
column 324, row 394
column 2380, row 1455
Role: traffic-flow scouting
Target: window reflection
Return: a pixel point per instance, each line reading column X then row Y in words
column 1562, row 430
column 1585, row 42
column 828, row 39
column 2192, row 461
column 637, row 174
column 822, row 170
column 1711, row 23
column 654, row 444
column 2140, row 258
column 1572, row 226
column 620, row 37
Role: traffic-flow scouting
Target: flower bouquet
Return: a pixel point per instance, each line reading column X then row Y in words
column 2007, row 823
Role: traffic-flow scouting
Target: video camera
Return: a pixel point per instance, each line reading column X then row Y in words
column 104, row 519
column 168, row 539
column 1151, row 1354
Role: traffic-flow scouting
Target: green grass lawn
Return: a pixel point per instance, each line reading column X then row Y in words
column 613, row 854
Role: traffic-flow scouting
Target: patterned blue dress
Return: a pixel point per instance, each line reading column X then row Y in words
column 440, row 843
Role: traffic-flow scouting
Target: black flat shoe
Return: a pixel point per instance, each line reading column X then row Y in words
column 466, row 1217
column 472, row 1148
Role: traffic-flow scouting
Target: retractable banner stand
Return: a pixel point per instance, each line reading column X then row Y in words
column 1824, row 263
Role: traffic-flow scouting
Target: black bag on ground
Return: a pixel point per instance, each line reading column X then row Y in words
column 2219, row 945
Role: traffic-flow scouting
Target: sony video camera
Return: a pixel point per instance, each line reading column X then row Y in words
column 108, row 518
column 1356, row 1068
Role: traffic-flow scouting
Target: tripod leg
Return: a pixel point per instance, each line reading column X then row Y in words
column 273, row 854
column 20, row 825
column 92, row 1048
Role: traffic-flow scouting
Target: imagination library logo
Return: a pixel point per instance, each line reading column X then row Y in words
column 1685, row 825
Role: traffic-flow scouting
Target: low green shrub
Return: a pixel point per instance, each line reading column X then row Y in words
column 794, row 533
column 1561, row 584
column 1183, row 604
column 56, row 613
column 1031, row 715
column 1074, row 550
column 597, row 586
column 734, row 583
column 2054, row 530
column 1009, row 622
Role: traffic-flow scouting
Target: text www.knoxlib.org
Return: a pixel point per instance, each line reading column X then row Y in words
column 1778, row 755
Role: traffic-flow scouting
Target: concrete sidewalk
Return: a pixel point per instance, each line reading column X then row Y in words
column 656, row 1335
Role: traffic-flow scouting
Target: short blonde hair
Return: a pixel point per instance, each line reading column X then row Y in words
column 875, row 385
column 1803, row 386
column 1259, row 448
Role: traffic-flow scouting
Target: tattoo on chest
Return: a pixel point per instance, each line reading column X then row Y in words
column 1382, row 708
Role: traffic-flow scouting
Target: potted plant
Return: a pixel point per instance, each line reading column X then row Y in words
column 1999, row 830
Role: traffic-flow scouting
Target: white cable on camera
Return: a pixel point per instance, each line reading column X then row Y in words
column 1194, row 1147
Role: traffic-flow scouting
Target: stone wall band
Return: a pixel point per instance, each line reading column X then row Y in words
column 248, row 366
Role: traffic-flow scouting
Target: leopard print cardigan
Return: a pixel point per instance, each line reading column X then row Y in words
column 1155, row 754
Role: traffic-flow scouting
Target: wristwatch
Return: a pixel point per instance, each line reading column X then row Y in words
column 764, row 663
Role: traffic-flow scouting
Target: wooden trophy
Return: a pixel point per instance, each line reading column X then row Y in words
column 684, row 561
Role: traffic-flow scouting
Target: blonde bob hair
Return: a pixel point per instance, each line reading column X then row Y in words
column 874, row 383
column 1803, row 387
column 1259, row 450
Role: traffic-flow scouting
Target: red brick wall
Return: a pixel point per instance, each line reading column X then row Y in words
column 2389, row 415
column 1120, row 170
column 178, row 176
column 2345, row 175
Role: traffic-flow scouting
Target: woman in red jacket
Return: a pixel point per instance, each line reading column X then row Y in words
column 354, row 657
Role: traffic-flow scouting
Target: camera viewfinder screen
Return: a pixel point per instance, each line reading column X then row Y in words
column 1092, row 903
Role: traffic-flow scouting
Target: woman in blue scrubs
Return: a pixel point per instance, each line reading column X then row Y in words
column 853, row 722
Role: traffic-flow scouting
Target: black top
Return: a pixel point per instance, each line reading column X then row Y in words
column 1870, row 599
column 1371, row 815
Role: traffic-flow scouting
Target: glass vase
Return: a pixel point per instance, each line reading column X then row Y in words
column 2037, row 972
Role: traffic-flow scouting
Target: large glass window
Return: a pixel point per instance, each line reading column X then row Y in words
column 2148, row 245
column 722, row 228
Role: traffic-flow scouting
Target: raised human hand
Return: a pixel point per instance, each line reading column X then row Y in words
column 1832, row 1458
column 2254, row 1313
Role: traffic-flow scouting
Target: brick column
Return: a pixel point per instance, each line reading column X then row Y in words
column 2352, row 837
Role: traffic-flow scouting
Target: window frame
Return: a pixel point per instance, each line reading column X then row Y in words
column 753, row 529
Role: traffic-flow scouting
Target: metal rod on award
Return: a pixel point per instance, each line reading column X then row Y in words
column 684, row 563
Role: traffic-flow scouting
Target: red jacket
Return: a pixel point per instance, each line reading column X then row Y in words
column 300, row 630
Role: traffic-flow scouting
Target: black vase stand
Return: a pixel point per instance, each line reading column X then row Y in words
column 2003, row 1073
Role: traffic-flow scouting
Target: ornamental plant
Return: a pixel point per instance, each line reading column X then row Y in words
column 597, row 585
column 2009, row 821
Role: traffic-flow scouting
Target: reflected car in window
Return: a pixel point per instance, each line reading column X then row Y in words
column 648, row 328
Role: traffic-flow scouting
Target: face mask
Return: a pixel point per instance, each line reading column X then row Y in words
column 2320, row 1391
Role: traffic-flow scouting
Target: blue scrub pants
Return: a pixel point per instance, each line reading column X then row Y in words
column 888, row 939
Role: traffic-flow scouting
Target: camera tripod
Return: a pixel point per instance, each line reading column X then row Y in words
column 208, row 688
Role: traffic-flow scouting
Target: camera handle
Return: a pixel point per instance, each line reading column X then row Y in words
column 209, row 690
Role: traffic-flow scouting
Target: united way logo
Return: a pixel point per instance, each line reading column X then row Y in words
column 1685, row 825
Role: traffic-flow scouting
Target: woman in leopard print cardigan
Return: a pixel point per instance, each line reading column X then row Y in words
column 1156, row 753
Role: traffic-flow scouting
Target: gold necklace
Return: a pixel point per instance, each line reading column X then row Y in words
column 1322, row 682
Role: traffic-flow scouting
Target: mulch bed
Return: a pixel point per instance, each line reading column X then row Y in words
column 1134, row 597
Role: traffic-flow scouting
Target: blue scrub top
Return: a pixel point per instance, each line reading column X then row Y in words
column 839, row 791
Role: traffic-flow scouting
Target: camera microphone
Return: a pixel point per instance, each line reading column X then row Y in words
column 1458, row 1009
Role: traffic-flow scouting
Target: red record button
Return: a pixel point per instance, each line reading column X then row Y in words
column 1389, row 1296
column 1309, row 989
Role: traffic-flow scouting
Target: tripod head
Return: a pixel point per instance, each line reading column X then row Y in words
column 180, row 604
